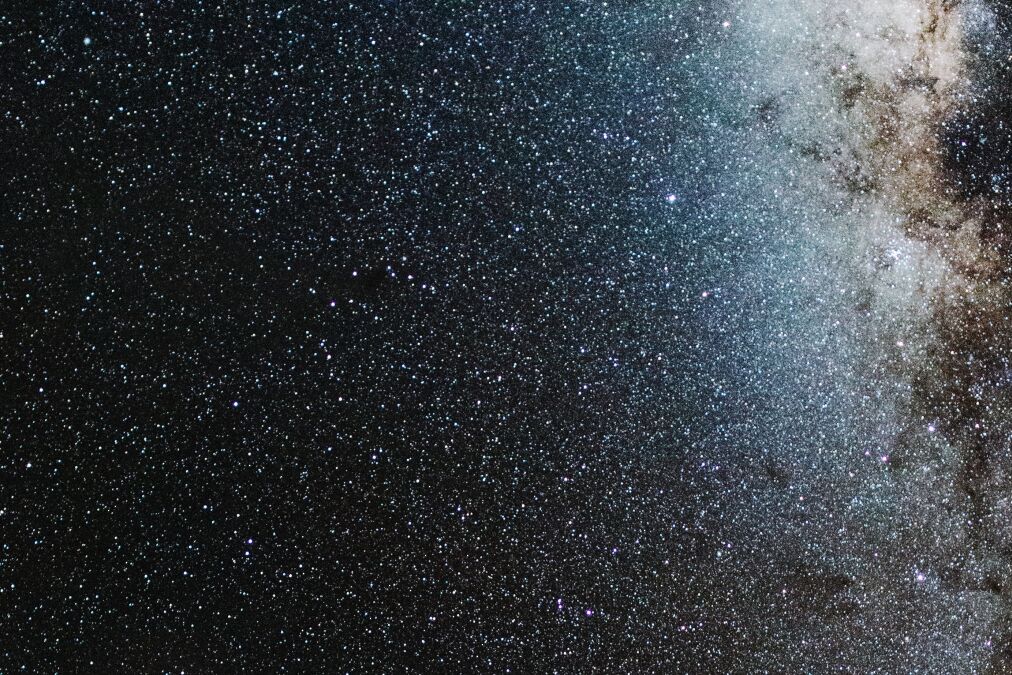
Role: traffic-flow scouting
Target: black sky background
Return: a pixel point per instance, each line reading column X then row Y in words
column 359, row 337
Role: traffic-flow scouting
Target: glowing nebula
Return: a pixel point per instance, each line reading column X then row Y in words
column 891, row 116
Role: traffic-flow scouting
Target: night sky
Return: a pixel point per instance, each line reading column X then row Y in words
column 523, row 336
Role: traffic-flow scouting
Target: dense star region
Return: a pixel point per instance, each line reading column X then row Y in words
column 390, row 336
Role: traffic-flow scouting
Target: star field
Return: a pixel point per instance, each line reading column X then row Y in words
column 384, row 336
